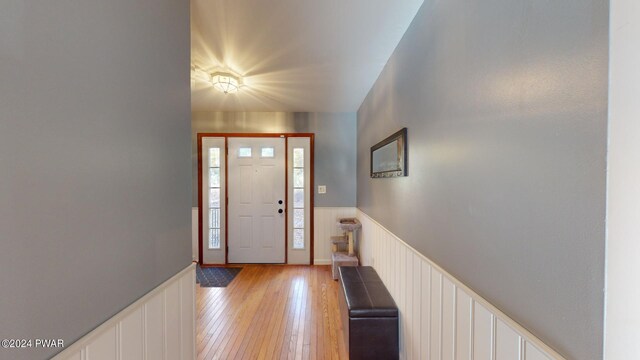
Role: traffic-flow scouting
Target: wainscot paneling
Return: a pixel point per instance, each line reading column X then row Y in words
column 160, row 325
column 325, row 226
column 440, row 318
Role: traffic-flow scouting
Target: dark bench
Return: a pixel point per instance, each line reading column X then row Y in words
column 369, row 314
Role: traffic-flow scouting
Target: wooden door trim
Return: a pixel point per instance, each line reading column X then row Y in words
column 199, row 145
column 226, row 136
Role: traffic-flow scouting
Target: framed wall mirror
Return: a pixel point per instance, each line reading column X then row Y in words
column 389, row 156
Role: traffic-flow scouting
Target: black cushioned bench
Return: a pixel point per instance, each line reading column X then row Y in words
column 369, row 314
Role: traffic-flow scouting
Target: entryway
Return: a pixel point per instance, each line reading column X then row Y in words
column 255, row 198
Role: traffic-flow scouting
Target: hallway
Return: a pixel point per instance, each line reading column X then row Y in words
column 271, row 312
column 140, row 139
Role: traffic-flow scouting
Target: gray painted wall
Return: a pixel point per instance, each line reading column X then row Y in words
column 335, row 145
column 506, row 106
column 94, row 150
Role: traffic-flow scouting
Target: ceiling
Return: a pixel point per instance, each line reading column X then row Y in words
column 294, row 55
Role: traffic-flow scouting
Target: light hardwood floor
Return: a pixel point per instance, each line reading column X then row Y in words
column 271, row 312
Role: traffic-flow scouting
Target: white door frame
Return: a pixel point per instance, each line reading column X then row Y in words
column 207, row 253
column 202, row 237
column 302, row 147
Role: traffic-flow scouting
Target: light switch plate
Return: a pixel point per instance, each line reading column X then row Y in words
column 322, row 189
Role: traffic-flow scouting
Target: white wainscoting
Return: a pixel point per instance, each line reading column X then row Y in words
column 441, row 318
column 160, row 325
column 325, row 220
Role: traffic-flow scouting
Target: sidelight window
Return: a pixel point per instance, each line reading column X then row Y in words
column 298, row 198
column 214, row 198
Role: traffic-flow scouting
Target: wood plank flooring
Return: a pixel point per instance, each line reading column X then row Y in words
column 271, row 312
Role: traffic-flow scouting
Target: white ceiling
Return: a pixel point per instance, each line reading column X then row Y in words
column 295, row 55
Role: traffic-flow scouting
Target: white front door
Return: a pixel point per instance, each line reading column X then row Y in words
column 257, row 207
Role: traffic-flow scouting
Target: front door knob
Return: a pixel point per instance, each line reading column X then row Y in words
column 280, row 211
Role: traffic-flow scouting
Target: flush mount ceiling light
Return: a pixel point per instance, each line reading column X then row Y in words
column 225, row 82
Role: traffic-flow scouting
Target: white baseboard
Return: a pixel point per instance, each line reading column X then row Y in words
column 322, row 262
column 160, row 325
column 440, row 317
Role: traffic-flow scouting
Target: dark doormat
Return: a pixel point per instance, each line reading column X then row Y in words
column 216, row 276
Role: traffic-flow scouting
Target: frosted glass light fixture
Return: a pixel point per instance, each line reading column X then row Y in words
column 225, row 82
